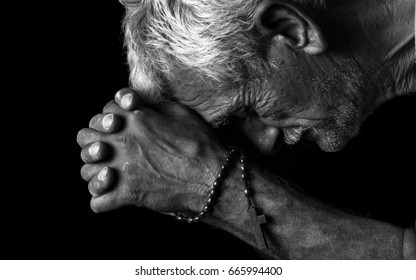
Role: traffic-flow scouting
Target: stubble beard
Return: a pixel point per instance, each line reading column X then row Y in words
column 350, row 96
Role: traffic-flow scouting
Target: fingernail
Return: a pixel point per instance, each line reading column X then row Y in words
column 108, row 121
column 94, row 149
column 126, row 101
column 102, row 175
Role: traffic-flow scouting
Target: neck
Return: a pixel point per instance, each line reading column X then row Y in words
column 402, row 67
column 396, row 47
column 388, row 26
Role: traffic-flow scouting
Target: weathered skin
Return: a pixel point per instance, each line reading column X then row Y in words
column 162, row 146
column 166, row 158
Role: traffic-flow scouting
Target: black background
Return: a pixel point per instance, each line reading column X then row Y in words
column 74, row 64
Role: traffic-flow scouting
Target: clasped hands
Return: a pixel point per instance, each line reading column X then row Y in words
column 164, row 158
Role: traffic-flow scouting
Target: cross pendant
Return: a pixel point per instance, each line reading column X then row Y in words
column 258, row 220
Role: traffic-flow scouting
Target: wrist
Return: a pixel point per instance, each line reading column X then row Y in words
column 238, row 210
column 199, row 195
column 230, row 209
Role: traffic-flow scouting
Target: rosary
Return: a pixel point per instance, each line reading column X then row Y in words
column 257, row 220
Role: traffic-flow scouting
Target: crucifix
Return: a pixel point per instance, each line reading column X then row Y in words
column 257, row 221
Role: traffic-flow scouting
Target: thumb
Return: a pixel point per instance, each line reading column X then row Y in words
column 129, row 99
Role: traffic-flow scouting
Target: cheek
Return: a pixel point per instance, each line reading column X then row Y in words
column 282, row 96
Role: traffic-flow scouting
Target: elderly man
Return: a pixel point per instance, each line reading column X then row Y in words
column 292, row 70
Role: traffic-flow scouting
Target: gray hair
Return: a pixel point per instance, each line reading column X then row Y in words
column 213, row 38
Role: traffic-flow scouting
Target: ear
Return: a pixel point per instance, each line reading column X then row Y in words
column 286, row 23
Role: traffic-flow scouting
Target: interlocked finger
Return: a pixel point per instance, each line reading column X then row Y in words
column 94, row 152
column 87, row 136
column 127, row 99
column 107, row 123
column 113, row 108
column 102, row 182
column 89, row 171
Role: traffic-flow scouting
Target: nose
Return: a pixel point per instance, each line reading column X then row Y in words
column 264, row 137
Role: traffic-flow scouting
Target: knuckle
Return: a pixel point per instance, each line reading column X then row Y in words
column 134, row 195
column 192, row 148
column 126, row 167
column 123, row 140
column 138, row 115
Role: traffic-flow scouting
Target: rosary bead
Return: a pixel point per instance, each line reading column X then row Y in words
column 217, row 183
column 257, row 219
column 209, row 201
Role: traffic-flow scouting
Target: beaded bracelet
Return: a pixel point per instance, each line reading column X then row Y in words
column 214, row 190
column 256, row 219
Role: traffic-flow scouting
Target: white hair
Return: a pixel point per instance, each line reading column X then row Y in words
column 213, row 38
